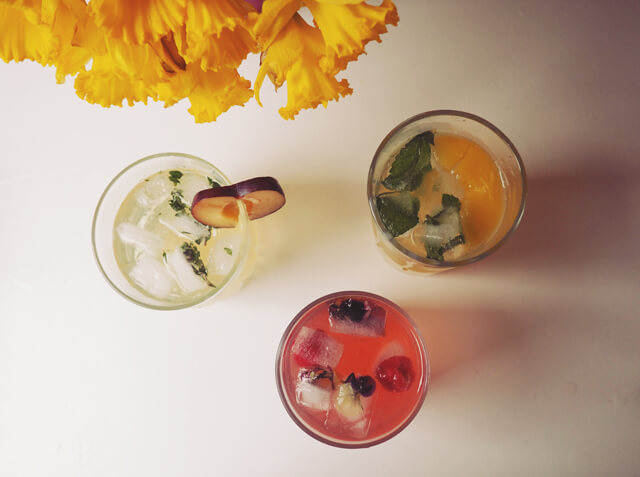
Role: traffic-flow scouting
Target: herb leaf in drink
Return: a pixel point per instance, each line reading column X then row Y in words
column 174, row 176
column 192, row 254
column 443, row 231
column 177, row 202
column 398, row 211
column 410, row 164
column 450, row 201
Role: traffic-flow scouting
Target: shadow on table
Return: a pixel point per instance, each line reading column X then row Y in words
column 317, row 217
column 456, row 337
column 572, row 218
column 586, row 218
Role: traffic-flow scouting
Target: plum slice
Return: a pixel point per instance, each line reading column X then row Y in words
column 218, row 206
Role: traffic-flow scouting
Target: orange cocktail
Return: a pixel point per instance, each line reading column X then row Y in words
column 352, row 369
column 445, row 188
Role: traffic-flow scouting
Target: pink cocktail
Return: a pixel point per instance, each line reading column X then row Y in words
column 352, row 370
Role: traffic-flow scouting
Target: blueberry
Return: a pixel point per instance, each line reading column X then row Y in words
column 367, row 385
column 336, row 312
column 354, row 310
column 364, row 385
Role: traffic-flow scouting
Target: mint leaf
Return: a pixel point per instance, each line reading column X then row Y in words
column 410, row 164
column 177, row 202
column 434, row 252
column 228, row 250
column 444, row 230
column 174, row 176
column 192, row 254
column 398, row 211
column 449, row 200
column 212, row 183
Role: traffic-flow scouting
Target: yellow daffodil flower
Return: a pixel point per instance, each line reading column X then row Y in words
column 294, row 56
column 169, row 50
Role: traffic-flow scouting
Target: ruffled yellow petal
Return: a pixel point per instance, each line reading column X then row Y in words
column 308, row 86
column 123, row 72
column 215, row 92
column 67, row 16
column 347, row 28
column 294, row 56
column 210, row 93
column 206, row 17
column 275, row 15
column 30, row 8
column 216, row 34
column 227, row 51
column 23, row 37
column 110, row 90
column 139, row 21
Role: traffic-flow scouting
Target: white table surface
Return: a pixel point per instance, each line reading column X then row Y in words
column 535, row 351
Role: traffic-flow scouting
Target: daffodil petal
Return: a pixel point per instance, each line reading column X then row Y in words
column 294, row 57
column 210, row 92
column 275, row 15
column 124, row 71
column 205, row 18
column 31, row 8
column 216, row 34
column 70, row 58
column 227, row 51
column 215, row 92
column 110, row 90
column 139, row 21
column 347, row 28
column 308, row 86
column 22, row 39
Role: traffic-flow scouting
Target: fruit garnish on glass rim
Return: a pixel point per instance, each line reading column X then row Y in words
column 219, row 207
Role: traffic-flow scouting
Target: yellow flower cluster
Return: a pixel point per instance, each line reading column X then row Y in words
column 168, row 50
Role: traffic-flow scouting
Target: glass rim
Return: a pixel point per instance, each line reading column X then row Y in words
column 353, row 444
column 199, row 299
column 371, row 193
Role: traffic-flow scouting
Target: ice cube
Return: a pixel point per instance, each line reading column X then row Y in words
column 152, row 276
column 372, row 324
column 155, row 191
column 224, row 252
column 394, row 348
column 182, row 271
column 350, row 413
column 191, row 184
column 141, row 239
column 314, row 387
column 313, row 396
column 314, row 347
column 447, row 227
column 185, row 226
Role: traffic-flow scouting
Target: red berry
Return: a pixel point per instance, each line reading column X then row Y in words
column 395, row 373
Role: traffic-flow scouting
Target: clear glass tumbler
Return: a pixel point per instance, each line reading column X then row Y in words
column 489, row 138
column 352, row 378
column 129, row 270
